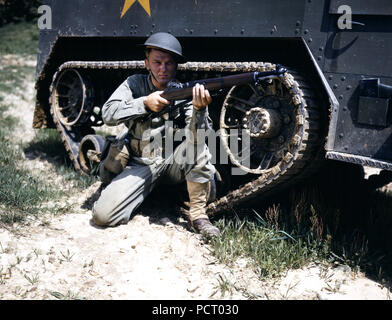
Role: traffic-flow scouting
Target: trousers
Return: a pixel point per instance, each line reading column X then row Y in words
column 128, row 190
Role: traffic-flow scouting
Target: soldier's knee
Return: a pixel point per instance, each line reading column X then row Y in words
column 100, row 216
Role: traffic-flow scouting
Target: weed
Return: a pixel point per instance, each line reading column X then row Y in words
column 33, row 279
column 67, row 255
column 68, row 296
column 290, row 287
column 89, row 264
column 225, row 286
column 37, row 252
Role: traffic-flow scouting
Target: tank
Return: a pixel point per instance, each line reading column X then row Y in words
column 334, row 102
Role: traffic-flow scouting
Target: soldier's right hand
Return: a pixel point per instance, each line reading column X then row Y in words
column 155, row 102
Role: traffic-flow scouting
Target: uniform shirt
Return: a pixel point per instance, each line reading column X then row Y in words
column 126, row 106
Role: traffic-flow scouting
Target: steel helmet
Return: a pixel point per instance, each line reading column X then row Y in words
column 167, row 42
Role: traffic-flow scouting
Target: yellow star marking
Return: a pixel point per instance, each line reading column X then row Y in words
column 144, row 3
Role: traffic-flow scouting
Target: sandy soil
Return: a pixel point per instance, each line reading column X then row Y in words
column 154, row 256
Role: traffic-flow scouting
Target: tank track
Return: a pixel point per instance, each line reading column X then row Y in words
column 303, row 145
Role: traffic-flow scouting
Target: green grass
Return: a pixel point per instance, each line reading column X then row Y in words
column 11, row 78
column 20, row 38
column 6, row 121
column 23, row 193
column 67, row 296
column 271, row 251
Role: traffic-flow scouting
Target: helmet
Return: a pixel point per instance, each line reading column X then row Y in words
column 167, row 42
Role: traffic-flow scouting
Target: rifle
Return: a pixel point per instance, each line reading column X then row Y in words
column 181, row 91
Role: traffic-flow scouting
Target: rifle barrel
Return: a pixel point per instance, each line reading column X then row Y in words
column 211, row 84
column 185, row 90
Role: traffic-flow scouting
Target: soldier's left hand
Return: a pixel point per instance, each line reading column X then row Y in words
column 201, row 97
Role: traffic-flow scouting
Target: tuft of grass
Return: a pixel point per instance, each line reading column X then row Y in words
column 225, row 286
column 272, row 251
column 33, row 280
column 67, row 255
column 67, row 296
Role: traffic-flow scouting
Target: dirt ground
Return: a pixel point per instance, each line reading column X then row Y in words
column 66, row 256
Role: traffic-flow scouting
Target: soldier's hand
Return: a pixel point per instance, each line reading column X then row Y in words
column 155, row 102
column 201, row 97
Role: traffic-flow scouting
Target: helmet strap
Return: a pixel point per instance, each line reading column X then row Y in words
column 150, row 72
column 153, row 76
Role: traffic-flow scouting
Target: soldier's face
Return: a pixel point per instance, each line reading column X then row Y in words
column 162, row 66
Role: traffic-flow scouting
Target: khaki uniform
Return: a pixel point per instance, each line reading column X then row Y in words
column 144, row 172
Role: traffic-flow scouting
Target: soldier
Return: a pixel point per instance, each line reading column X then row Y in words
column 134, row 99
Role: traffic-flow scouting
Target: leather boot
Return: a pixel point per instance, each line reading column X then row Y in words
column 205, row 227
column 198, row 196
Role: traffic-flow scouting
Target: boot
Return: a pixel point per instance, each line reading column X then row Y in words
column 205, row 227
column 198, row 196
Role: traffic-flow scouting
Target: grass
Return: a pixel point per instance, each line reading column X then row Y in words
column 272, row 251
column 67, row 296
column 19, row 38
column 11, row 78
column 334, row 218
column 48, row 142
column 22, row 193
